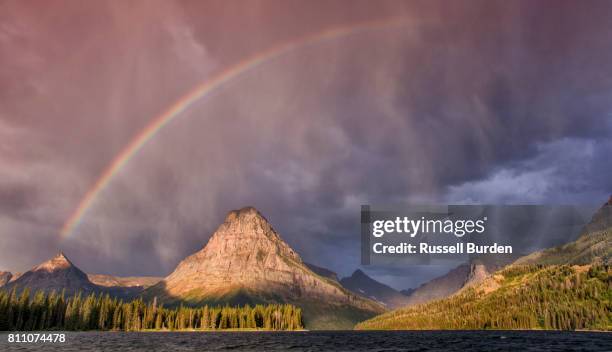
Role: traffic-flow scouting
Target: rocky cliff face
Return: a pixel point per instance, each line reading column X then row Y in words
column 246, row 261
column 478, row 272
column 55, row 274
column 364, row 285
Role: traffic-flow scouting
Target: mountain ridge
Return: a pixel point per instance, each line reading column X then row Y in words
column 123, row 281
column 360, row 283
column 464, row 275
column 56, row 274
column 565, row 287
column 60, row 274
column 321, row 271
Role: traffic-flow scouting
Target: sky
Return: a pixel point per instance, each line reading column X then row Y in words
column 467, row 102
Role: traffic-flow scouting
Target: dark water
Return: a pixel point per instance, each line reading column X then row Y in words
column 325, row 341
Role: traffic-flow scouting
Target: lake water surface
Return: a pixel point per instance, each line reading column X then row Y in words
column 324, row 341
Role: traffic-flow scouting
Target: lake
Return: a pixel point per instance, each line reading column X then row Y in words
column 522, row 341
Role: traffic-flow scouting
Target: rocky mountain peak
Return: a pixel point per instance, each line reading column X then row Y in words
column 246, row 232
column 245, row 213
column 244, row 250
column 59, row 262
column 246, row 222
column 56, row 274
column 246, row 261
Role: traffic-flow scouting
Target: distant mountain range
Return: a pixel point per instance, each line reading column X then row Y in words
column 364, row 285
column 118, row 281
column 61, row 275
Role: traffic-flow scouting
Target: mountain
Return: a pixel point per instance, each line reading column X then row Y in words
column 122, row 287
column 364, row 285
column 462, row 276
column 129, row 281
column 246, row 261
column 561, row 288
column 322, row 271
column 56, row 274
column 5, row 277
column 477, row 270
column 60, row 274
column 440, row 287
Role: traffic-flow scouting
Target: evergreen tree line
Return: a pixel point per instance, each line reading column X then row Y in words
column 530, row 297
column 53, row 311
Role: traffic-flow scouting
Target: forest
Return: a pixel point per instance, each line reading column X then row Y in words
column 53, row 311
column 558, row 297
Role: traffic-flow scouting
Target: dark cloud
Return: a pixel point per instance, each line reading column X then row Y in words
column 567, row 171
column 486, row 101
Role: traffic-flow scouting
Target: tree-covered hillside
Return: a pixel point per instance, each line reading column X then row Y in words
column 520, row 297
column 593, row 247
column 563, row 288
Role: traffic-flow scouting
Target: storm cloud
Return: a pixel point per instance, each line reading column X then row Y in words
column 480, row 101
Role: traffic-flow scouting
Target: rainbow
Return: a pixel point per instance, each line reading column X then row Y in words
column 202, row 91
